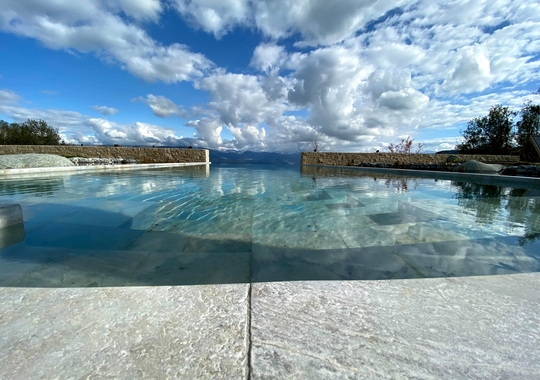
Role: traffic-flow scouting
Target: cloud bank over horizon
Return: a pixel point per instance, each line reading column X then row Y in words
column 354, row 76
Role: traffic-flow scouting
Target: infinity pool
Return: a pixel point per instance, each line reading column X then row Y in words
column 248, row 223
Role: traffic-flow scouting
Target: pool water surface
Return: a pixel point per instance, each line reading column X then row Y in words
column 251, row 223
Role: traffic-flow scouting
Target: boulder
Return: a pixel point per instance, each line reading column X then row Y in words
column 24, row 161
column 479, row 167
column 452, row 160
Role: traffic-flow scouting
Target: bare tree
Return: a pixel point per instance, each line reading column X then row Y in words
column 405, row 146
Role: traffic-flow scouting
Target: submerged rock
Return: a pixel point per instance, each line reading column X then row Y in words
column 24, row 161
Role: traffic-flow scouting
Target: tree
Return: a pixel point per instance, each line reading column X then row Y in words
column 491, row 134
column 31, row 132
column 529, row 124
column 405, row 146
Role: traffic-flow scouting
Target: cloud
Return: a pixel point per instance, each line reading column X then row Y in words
column 209, row 131
column 327, row 82
column 214, row 16
column 104, row 110
column 268, row 56
column 9, row 97
column 243, row 99
column 160, row 105
column 472, row 72
column 249, row 136
column 404, row 99
column 317, row 21
column 109, row 133
column 95, row 27
column 69, row 123
column 77, row 128
column 138, row 9
column 353, row 75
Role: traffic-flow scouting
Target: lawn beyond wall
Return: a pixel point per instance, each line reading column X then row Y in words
column 355, row 159
column 143, row 155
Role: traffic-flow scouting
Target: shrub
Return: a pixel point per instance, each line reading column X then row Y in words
column 405, row 146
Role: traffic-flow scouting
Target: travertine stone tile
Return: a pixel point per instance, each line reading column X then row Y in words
column 470, row 327
column 124, row 333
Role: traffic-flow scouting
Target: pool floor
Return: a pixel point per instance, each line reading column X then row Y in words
column 241, row 224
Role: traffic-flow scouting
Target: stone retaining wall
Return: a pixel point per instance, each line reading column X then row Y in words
column 143, row 155
column 397, row 159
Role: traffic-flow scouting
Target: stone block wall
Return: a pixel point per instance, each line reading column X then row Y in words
column 143, row 155
column 355, row 159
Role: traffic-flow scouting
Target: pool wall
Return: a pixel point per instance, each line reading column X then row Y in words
column 354, row 159
column 143, row 155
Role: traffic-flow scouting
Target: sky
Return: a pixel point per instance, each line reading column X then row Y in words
column 268, row 75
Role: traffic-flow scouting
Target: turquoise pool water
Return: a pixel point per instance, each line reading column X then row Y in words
column 229, row 224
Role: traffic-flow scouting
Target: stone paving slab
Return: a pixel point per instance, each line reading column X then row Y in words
column 184, row 332
column 447, row 328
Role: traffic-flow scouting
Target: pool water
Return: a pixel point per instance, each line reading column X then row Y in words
column 248, row 223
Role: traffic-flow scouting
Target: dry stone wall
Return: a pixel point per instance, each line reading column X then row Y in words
column 396, row 159
column 142, row 155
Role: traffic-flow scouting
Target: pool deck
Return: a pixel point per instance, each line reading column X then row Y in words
column 442, row 328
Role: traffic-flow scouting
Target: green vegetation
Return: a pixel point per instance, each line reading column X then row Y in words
column 497, row 133
column 31, row 132
column 529, row 125
column 491, row 134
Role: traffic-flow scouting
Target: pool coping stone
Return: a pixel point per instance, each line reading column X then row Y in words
column 489, row 179
column 93, row 168
column 445, row 328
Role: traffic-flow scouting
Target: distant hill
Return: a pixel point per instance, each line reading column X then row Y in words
column 247, row 157
column 448, row 152
column 235, row 157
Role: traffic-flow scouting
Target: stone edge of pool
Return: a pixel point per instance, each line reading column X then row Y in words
column 10, row 173
column 474, row 327
column 489, row 179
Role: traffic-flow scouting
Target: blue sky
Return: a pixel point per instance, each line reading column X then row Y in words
column 271, row 75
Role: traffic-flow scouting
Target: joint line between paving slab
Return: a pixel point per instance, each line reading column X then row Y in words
column 248, row 331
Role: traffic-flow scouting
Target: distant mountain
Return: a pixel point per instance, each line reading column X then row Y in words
column 247, row 157
column 448, row 152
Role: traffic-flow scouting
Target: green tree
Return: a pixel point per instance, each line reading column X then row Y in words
column 31, row 132
column 491, row 134
column 529, row 124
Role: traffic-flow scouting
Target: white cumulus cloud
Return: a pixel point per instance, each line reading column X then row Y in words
column 109, row 133
column 94, row 27
column 268, row 56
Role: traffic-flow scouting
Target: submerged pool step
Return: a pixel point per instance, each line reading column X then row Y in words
column 10, row 214
column 11, row 225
